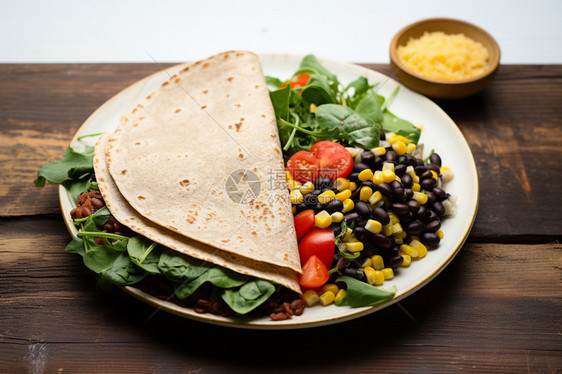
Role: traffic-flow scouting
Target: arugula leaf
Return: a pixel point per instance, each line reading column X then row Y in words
column 280, row 99
column 363, row 294
column 249, row 296
column 272, row 81
column 310, row 62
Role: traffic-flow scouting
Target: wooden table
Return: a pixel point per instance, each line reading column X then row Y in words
column 495, row 308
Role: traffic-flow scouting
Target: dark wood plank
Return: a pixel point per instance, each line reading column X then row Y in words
column 495, row 308
column 513, row 127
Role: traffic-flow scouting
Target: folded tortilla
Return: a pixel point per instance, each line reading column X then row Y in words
column 197, row 166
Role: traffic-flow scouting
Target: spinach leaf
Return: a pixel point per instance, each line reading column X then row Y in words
column 122, row 271
column 369, row 107
column 72, row 166
column 220, row 277
column 249, row 296
column 362, row 294
column 76, row 245
column 144, row 253
column 280, row 99
column 181, row 268
column 310, row 62
column 99, row 217
column 272, row 81
column 399, row 126
column 318, row 91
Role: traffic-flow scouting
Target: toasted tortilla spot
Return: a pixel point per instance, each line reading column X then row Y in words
column 230, row 79
column 124, row 171
column 205, row 65
column 184, row 182
column 254, row 233
column 263, row 116
column 241, row 156
column 185, row 69
column 238, row 126
column 101, row 179
column 178, row 110
column 237, row 105
column 205, row 91
column 257, row 86
column 177, row 80
column 141, row 198
column 239, row 53
column 137, row 143
column 230, row 127
column 203, row 106
column 141, row 118
column 148, row 97
column 227, row 96
column 242, row 119
column 135, row 125
column 165, row 83
column 276, row 150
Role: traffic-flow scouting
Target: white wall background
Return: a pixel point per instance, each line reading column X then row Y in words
column 171, row 31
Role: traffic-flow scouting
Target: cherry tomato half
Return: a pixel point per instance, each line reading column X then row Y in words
column 304, row 222
column 314, row 273
column 325, row 159
column 320, row 243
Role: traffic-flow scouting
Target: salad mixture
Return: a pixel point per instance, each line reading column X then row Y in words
column 364, row 200
column 365, row 206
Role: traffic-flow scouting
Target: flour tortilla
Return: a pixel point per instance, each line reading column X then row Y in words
column 172, row 155
column 124, row 213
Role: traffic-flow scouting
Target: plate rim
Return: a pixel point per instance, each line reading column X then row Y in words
column 293, row 323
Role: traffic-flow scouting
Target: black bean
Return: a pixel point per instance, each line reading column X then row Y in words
column 391, row 156
column 360, row 222
column 422, row 212
column 315, row 193
column 377, row 163
column 350, row 216
column 363, row 234
column 381, row 241
column 407, row 181
column 410, row 160
column 382, row 136
column 301, row 207
column 406, row 218
column 369, row 249
column 428, row 183
column 415, row 227
column 430, row 198
column 384, row 189
column 336, row 228
column 318, row 208
column 395, row 184
column 426, row 175
column 398, row 191
column 394, row 262
column 413, row 205
column 439, row 193
column 431, row 216
column 433, row 167
column 417, row 162
column 369, row 184
column 438, row 208
column 333, row 206
column 323, row 182
column 420, row 169
column 381, row 215
column 400, row 170
column 368, row 157
column 359, row 167
column 433, row 226
column 430, row 238
column 310, row 200
column 355, row 194
column 408, row 193
column 402, row 159
column 435, row 159
column 400, row 208
column 354, row 177
column 350, row 272
column 362, row 208
column 342, row 263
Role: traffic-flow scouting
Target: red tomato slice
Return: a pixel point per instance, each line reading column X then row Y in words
column 304, row 222
column 303, row 166
column 320, row 243
column 334, row 161
column 314, row 273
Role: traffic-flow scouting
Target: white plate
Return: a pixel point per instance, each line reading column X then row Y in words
column 440, row 133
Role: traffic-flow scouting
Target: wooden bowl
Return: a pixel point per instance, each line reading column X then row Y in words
column 440, row 88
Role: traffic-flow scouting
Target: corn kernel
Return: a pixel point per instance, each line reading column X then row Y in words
column 341, row 184
column 337, row 217
column 377, row 177
column 411, row 148
column 323, row 219
column 378, row 262
column 340, row 295
column 420, row 126
column 407, row 260
column 348, row 205
column 393, row 218
column 365, row 175
column 387, row 229
column 410, row 251
column 419, row 247
column 388, row 176
column 296, row 197
column 352, row 186
column 366, row 263
column 369, row 274
column 434, row 174
column 403, row 139
column 379, row 278
column 416, row 187
column 398, row 240
column 400, row 148
column 420, row 197
column 373, row 226
column 307, row 188
column 410, row 170
column 330, row 287
column 388, row 273
column 439, row 233
column 447, row 174
column 379, row 151
column 288, row 175
column 343, row 195
column 354, row 247
column 312, row 108
column 310, row 297
column 365, row 193
column 400, row 236
column 326, row 196
column 294, row 185
column 375, row 198
column 348, row 234
column 397, row 229
column 327, row 298
column 391, row 139
column 387, row 166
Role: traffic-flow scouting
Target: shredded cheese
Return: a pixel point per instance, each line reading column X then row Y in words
column 443, row 56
